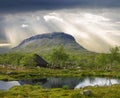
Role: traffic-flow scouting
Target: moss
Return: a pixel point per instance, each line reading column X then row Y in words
column 29, row 91
column 28, row 73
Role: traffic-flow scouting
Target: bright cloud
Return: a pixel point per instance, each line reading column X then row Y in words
column 95, row 18
column 5, row 44
column 24, row 25
column 53, row 16
column 94, row 31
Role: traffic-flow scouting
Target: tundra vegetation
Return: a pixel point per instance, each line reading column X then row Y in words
column 30, row 91
column 62, row 63
column 61, row 58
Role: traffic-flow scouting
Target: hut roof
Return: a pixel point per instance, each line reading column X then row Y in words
column 40, row 61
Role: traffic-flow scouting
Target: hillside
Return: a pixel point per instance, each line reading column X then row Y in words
column 46, row 42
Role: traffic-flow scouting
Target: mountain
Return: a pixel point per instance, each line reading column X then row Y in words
column 46, row 42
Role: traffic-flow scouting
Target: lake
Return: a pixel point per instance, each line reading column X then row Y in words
column 54, row 82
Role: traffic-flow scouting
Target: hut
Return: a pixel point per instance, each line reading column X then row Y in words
column 40, row 61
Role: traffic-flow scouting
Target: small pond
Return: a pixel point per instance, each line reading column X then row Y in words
column 53, row 82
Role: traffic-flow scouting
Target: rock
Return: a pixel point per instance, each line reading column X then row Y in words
column 86, row 92
column 10, row 73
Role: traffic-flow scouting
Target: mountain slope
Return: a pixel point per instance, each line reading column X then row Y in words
column 46, row 42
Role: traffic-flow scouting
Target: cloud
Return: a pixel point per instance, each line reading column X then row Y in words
column 24, row 25
column 32, row 5
column 53, row 16
column 93, row 23
column 95, row 18
column 4, row 44
column 91, row 29
column 2, row 34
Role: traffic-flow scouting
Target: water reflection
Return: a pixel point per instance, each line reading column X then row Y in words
column 60, row 82
column 53, row 82
column 6, row 85
column 97, row 82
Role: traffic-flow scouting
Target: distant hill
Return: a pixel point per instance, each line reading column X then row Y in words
column 46, row 42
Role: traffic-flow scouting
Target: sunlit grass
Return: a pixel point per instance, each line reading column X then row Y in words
column 35, row 73
column 29, row 91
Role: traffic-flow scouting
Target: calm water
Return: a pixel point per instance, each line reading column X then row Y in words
column 7, row 85
column 60, row 82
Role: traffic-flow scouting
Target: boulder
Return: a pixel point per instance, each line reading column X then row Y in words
column 86, row 92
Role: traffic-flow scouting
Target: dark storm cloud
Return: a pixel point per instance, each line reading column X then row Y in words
column 2, row 37
column 29, row 5
column 2, row 34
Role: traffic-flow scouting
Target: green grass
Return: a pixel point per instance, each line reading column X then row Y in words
column 29, row 91
column 35, row 91
column 33, row 73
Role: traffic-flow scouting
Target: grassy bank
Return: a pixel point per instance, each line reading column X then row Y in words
column 28, row 91
column 33, row 73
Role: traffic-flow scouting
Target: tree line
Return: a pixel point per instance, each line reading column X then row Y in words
column 60, row 58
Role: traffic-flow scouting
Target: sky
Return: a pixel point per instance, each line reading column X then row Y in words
column 95, row 24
